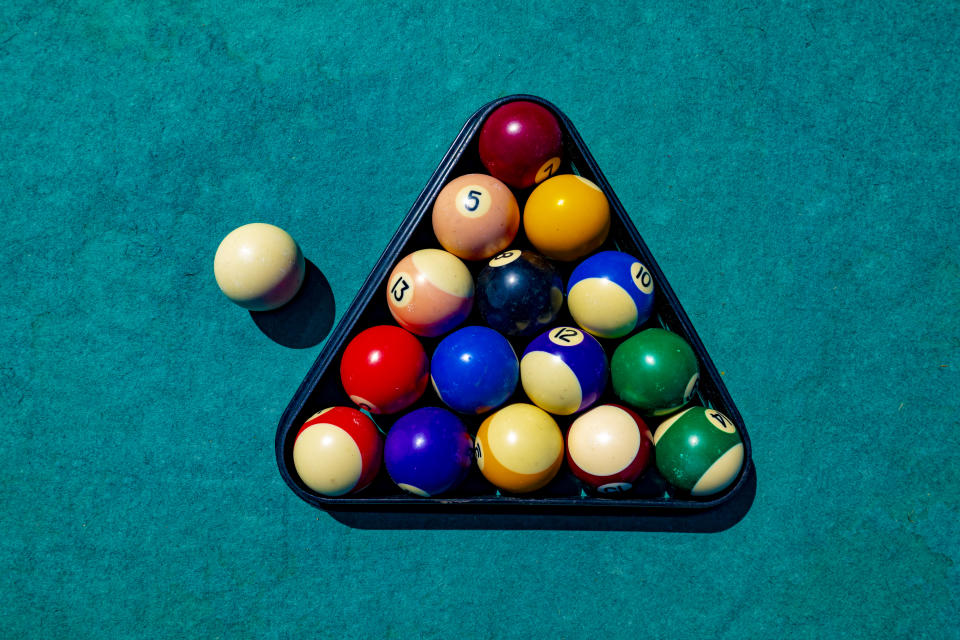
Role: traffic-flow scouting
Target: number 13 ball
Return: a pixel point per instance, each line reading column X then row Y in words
column 699, row 450
column 430, row 292
column 610, row 294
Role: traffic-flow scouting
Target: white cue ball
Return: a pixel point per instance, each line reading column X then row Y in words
column 259, row 266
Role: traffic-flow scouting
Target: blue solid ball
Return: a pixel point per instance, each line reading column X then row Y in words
column 610, row 294
column 428, row 452
column 474, row 370
column 519, row 293
column 563, row 370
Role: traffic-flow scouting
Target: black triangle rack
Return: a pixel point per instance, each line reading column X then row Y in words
column 561, row 505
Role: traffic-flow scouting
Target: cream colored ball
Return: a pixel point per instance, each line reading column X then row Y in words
column 259, row 266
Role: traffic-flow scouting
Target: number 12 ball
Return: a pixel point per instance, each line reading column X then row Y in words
column 610, row 294
column 699, row 450
column 563, row 370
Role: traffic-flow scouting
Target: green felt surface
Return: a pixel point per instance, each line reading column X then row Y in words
column 792, row 166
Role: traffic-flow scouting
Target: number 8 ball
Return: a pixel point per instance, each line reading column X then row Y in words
column 519, row 293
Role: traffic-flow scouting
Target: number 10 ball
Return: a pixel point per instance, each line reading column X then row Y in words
column 610, row 294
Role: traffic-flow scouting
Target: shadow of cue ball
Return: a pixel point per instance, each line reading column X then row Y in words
column 304, row 321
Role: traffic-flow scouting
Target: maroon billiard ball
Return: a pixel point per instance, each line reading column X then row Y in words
column 384, row 369
column 521, row 144
column 608, row 448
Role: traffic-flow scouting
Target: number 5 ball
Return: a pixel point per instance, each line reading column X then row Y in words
column 430, row 292
column 519, row 448
column 699, row 450
column 563, row 370
column 337, row 451
column 475, row 216
column 609, row 294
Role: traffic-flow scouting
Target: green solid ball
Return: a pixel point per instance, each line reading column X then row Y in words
column 699, row 450
column 655, row 371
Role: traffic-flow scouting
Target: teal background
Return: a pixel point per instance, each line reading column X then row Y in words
column 793, row 167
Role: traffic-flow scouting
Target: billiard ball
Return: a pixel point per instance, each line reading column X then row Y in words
column 563, row 370
column 474, row 370
column 566, row 217
column 699, row 450
column 428, row 452
column 655, row 371
column 521, row 143
column 337, row 451
column 384, row 369
column 519, row 293
column 430, row 292
column 475, row 216
column 610, row 294
column 608, row 448
column 519, row 448
column 259, row 266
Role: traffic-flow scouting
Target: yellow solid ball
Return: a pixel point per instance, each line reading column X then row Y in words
column 566, row 217
column 259, row 266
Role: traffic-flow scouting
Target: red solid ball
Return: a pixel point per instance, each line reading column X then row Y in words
column 521, row 144
column 608, row 448
column 384, row 369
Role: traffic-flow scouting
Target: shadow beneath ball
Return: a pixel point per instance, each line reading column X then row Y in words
column 571, row 518
column 304, row 321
